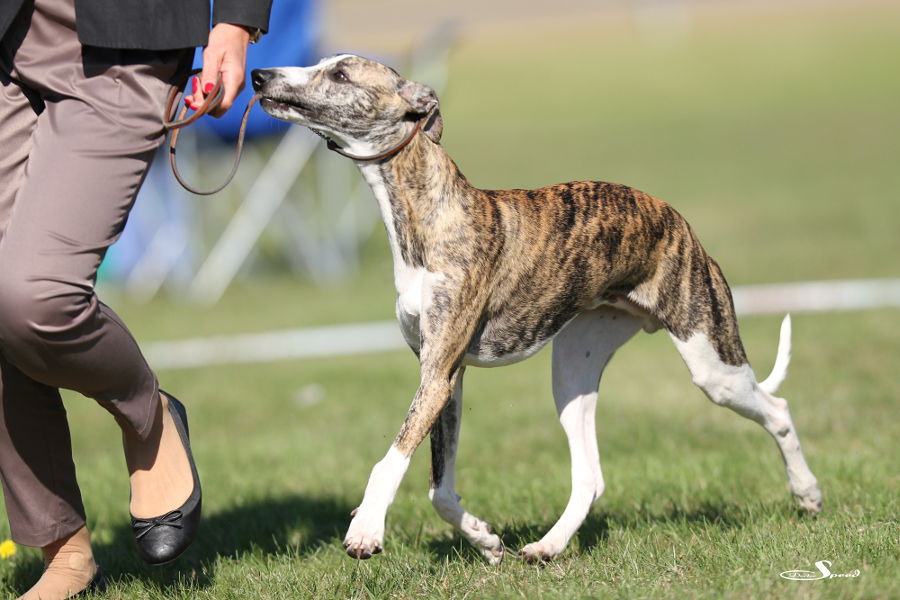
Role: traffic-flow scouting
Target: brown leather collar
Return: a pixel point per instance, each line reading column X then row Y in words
column 423, row 120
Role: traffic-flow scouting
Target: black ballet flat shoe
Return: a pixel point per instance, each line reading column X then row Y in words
column 163, row 539
column 97, row 585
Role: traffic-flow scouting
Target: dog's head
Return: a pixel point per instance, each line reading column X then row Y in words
column 362, row 104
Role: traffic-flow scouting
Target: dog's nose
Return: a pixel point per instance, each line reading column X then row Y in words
column 260, row 77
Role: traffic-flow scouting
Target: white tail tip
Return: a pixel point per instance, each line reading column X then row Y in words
column 782, row 359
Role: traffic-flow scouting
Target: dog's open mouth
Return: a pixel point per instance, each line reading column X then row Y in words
column 276, row 105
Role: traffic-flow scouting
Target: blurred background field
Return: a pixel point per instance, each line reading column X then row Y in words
column 774, row 132
column 773, row 128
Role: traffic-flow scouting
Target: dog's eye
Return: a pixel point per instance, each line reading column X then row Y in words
column 339, row 76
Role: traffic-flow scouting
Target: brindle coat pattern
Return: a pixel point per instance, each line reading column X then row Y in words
column 508, row 269
column 505, row 292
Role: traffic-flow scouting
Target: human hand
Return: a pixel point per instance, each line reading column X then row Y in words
column 225, row 53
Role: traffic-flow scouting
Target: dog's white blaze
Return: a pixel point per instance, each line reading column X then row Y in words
column 300, row 76
column 296, row 76
column 330, row 60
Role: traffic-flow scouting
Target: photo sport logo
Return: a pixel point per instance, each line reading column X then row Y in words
column 823, row 573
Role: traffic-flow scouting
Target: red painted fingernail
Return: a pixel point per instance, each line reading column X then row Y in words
column 195, row 85
column 208, row 88
column 187, row 102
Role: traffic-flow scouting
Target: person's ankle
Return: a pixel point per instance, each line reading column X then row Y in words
column 73, row 545
column 69, row 568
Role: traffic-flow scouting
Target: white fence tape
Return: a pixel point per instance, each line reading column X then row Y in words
column 381, row 336
column 816, row 296
column 310, row 342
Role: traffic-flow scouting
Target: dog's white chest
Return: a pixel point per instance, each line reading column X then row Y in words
column 410, row 284
column 415, row 291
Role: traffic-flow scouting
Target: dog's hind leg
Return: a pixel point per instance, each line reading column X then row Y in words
column 444, row 439
column 735, row 386
column 580, row 353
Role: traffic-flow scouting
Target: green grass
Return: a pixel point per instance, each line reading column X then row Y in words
column 779, row 141
column 696, row 503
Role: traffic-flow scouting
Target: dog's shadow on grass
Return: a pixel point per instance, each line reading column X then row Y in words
column 295, row 526
column 597, row 526
column 717, row 514
column 298, row 525
column 514, row 536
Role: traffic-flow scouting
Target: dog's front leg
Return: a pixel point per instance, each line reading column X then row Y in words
column 446, row 332
column 366, row 533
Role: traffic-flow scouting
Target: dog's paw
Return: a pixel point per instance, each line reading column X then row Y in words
column 810, row 500
column 362, row 548
column 364, row 537
column 494, row 555
column 539, row 552
column 480, row 535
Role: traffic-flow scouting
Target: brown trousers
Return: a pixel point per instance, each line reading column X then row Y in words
column 78, row 129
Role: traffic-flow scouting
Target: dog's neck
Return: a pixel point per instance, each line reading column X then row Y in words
column 422, row 195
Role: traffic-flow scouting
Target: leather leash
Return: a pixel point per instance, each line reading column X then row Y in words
column 175, row 121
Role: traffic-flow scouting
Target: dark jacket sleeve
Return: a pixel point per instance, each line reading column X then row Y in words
column 161, row 24
column 250, row 13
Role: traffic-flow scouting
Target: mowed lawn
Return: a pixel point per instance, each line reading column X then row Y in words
column 779, row 139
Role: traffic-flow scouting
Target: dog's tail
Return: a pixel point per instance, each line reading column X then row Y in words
column 782, row 359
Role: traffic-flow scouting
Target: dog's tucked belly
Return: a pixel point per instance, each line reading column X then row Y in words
column 477, row 357
column 503, row 340
column 514, row 331
column 482, row 352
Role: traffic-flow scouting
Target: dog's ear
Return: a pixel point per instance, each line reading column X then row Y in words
column 434, row 127
column 421, row 98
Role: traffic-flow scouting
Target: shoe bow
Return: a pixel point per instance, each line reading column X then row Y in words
column 143, row 526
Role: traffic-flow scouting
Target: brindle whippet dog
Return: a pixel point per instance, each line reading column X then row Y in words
column 488, row 277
